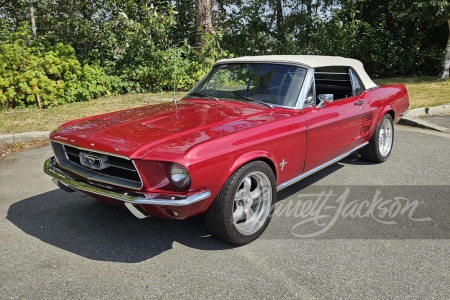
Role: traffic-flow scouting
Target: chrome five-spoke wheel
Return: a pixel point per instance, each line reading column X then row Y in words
column 385, row 137
column 243, row 208
column 380, row 144
column 252, row 203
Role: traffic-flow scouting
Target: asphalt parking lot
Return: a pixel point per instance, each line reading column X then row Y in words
column 382, row 232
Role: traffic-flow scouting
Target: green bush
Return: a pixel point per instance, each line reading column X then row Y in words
column 37, row 72
column 155, row 72
column 139, row 52
column 34, row 71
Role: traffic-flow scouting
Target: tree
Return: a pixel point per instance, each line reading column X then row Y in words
column 279, row 10
column 433, row 13
column 35, row 13
column 203, row 19
column 185, row 29
column 33, row 21
column 446, row 60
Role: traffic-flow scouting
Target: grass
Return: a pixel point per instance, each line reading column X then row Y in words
column 423, row 92
column 10, row 148
column 18, row 145
column 35, row 119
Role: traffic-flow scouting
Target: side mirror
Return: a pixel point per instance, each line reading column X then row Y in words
column 325, row 97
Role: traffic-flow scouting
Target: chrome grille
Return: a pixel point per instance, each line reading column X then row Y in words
column 118, row 171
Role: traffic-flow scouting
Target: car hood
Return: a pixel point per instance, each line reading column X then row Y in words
column 136, row 132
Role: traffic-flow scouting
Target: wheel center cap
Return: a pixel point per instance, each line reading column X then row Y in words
column 248, row 201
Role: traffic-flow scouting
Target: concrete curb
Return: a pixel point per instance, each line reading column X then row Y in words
column 427, row 111
column 421, row 123
column 415, row 117
column 24, row 136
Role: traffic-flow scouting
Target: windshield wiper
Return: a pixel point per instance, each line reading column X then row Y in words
column 256, row 100
column 204, row 95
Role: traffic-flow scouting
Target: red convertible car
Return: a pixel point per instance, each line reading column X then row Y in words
column 251, row 127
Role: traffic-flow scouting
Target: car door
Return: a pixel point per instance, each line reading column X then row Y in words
column 335, row 128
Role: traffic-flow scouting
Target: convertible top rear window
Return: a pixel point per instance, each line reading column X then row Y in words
column 275, row 84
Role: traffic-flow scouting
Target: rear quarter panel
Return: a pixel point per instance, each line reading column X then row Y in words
column 387, row 98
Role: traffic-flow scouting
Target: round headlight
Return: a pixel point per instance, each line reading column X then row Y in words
column 179, row 176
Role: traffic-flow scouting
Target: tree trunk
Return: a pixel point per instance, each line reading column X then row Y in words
column 203, row 19
column 308, row 25
column 33, row 23
column 446, row 61
column 269, row 26
column 280, row 32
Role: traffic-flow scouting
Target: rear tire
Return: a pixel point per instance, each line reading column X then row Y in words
column 243, row 208
column 380, row 144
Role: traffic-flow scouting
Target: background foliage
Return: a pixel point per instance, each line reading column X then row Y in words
column 83, row 49
column 395, row 37
column 42, row 74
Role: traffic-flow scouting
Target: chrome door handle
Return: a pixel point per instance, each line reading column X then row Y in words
column 359, row 103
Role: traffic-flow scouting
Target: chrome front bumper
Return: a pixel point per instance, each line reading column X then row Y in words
column 130, row 198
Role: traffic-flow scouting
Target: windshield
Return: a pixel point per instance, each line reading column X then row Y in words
column 269, row 83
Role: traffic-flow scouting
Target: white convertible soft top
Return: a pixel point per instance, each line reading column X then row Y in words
column 312, row 61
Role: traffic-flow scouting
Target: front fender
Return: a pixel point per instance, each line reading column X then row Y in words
column 241, row 160
column 253, row 155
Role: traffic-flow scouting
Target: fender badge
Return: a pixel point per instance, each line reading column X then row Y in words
column 282, row 164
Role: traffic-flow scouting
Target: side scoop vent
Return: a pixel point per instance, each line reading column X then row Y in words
column 366, row 122
column 365, row 129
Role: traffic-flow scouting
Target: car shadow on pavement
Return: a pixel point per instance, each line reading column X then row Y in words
column 90, row 228
column 85, row 226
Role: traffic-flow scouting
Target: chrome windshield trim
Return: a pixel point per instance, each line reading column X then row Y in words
column 295, row 106
column 375, row 87
column 287, row 63
column 353, row 73
column 305, row 89
column 316, row 169
column 243, row 101
column 128, row 197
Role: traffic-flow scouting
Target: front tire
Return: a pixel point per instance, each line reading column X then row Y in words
column 243, row 208
column 380, row 144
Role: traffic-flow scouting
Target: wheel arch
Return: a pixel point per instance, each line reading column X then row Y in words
column 387, row 110
column 268, row 162
column 390, row 111
column 372, row 151
column 254, row 156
